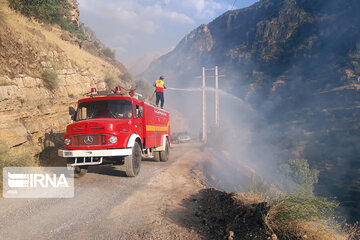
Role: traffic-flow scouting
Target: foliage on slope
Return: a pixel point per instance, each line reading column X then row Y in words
column 49, row 11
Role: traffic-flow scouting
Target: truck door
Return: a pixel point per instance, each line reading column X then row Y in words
column 138, row 124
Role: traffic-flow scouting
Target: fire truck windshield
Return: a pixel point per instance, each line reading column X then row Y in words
column 104, row 109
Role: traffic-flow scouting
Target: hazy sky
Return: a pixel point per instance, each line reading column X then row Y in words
column 136, row 27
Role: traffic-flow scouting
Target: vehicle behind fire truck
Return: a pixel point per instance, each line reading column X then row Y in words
column 116, row 129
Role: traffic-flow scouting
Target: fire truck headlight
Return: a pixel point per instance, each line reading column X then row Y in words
column 113, row 139
column 67, row 141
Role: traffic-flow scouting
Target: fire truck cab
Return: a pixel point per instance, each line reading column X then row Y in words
column 116, row 129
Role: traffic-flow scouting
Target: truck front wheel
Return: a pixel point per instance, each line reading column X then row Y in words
column 165, row 155
column 133, row 162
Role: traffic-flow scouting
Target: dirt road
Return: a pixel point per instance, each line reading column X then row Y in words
column 156, row 204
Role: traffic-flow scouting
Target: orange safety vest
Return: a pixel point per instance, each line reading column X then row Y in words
column 159, row 85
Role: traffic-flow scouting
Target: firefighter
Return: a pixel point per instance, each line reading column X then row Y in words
column 160, row 86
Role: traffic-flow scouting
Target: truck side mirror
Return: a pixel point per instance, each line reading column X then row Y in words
column 72, row 113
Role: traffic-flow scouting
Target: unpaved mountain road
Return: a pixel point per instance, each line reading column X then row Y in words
column 107, row 205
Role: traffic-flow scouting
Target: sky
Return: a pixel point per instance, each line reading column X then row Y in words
column 134, row 28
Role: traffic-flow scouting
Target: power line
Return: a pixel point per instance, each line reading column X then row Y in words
column 233, row 5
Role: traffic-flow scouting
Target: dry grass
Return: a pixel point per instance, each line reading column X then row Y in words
column 353, row 232
column 111, row 82
column 20, row 159
column 50, row 78
column 297, row 215
column 313, row 231
column 317, row 231
column 265, row 190
column 250, row 198
column 50, row 40
column 3, row 4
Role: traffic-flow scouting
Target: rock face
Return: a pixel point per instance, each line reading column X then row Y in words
column 74, row 12
column 269, row 38
column 298, row 63
column 41, row 75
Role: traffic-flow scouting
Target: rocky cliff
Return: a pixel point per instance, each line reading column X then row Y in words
column 40, row 76
column 298, row 63
column 74, row 12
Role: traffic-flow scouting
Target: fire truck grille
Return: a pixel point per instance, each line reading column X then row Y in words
column 89, row 140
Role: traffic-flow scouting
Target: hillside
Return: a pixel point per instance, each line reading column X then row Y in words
column 43, row 70
column 297, row 63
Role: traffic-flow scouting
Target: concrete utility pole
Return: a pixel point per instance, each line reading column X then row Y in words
column 216, row 96
column 204, row 107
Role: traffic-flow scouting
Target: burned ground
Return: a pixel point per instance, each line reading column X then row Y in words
column 225, row 216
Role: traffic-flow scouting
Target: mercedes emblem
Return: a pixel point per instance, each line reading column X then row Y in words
column 88, row 140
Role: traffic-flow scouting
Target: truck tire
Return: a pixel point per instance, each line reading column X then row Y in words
column 80, row 171
column 133, row 162
column 157, row 156
column 165, row 155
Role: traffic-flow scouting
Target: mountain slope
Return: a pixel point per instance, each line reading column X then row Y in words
column 40, row 76
column 296, row 62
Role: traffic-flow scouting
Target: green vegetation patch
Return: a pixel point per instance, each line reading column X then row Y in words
column 48, row 11
column 300, row 175
column 108, row 52
column 50, row 79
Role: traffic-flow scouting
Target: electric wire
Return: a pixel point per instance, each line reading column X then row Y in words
column 233, row 5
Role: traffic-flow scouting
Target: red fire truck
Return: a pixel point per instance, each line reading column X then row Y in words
column 116, row 129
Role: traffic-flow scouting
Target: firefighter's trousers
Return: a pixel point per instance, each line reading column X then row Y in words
column 160, row 97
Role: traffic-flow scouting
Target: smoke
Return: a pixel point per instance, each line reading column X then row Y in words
column 241, row 145
column 209, row 89
column 289, row 92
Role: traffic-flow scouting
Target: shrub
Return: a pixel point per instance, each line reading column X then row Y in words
column 108, row 52
column 144, row 87
column 72, row 28
column 289, row 216
column 49, row 11
column 300, row 174
column 50, row 79
column 126, row 77
column 96, row 44
column 110, row 81
column 263, row 189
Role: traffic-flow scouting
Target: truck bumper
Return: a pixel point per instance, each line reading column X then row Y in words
column 92, row 157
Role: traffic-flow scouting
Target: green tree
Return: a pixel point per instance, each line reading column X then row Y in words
column 302, row 177
column 49, row 11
